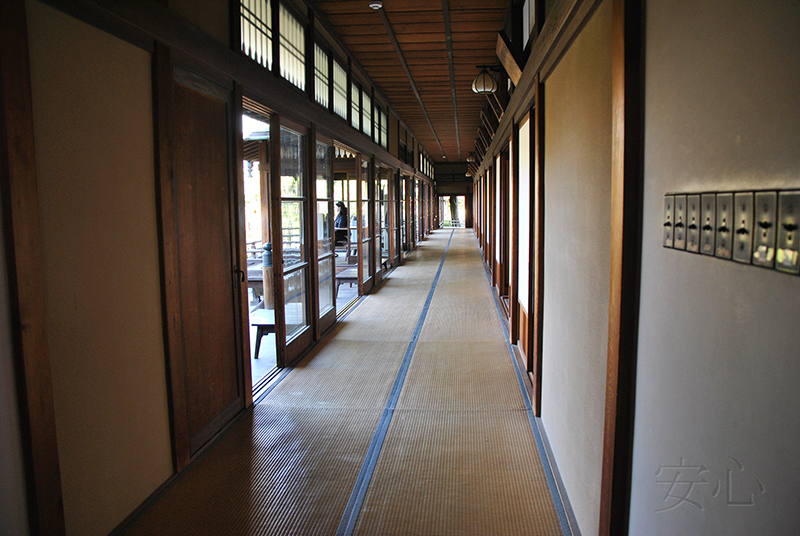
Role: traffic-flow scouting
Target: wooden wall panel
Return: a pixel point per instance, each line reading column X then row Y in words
column 26, row 275
column 202, row 188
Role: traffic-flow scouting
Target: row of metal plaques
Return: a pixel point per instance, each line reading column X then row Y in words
column 756, row 227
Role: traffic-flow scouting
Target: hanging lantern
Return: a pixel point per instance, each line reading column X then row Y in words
column 484, row 83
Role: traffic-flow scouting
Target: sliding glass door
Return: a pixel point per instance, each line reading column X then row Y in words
column 323, row 223
column 293, row 321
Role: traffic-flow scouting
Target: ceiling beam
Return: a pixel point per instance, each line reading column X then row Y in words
column 399, row 52
column 449, row 40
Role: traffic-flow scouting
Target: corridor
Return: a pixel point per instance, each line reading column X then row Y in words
column 408, row 419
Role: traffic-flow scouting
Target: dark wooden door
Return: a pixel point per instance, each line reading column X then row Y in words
column 208, row 283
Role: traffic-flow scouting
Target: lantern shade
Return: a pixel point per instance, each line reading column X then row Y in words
column 484, row 83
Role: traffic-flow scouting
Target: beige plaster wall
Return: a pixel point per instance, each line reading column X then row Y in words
column 719, row 344
column 94, row 150
column 576, row 264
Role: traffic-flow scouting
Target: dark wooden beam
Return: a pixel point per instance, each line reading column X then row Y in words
column 536, row 335
column 627, row 172
column 402, row 58
column 26, row 278
column 506, row 58
column 448, row 37
column 564, row 20
column 168, row 243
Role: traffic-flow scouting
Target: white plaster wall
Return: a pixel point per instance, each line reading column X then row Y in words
column 525, row 181
column 719, row 344
column 576, row 264
column 93, row 126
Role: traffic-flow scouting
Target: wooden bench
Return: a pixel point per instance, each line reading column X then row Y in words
column 349, row 275
column 264, row 320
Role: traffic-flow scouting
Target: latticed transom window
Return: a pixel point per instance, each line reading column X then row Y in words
column 293, row 49
column 376, row 124
column 256, row 27
column 528, row 21
column 384, row 130
column 366, row 113
column 321, row 76
column 355, row 106
column 339, row 90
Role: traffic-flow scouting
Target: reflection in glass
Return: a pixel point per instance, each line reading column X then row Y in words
column 294, row 292
column 325, row 285
column 383, row 220
column 292, row 232
column 402, row 223
column 365, row 259
column 323, row 171
column 324, row 237
column 292, row 163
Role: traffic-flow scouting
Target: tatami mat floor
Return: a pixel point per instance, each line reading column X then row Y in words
column 390, row 426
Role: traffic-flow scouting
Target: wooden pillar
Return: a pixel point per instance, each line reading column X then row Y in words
column 627, row 161
column 26, row 276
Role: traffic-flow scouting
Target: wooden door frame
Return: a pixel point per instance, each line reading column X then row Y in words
column 287, row 352
column 164, row 80
column 321, row 324
column 627, row 178
column 504, row 240
column 240, row 244
column 536, row 287
column 378, row 235
column 24, row 250
column 365, row 286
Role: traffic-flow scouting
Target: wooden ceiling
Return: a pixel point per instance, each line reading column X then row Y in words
column 420, row 29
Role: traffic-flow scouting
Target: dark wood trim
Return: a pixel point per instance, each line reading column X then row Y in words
column 215, row 427
column 468, row 211
column 312, row 229
column 26, row 278
column 168, row 252
column 142, row 22
column 563, row 23
column 326, row 321
column 504, row 54
column 448, row 38
column 277, row 243
column 505, row 218
column 536, row 288
column 276, row 32
column 359, row 227
column 311, row 57
column 398, row 50
column 627, row 163
column 240, row 243
column 304, row 339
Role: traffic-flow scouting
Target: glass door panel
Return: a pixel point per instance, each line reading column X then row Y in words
column 324, row 224
column 294, row 295
column 403, row 213
column 294, row 246
column 345, row 197
column 365, row 212
column 257, row 215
